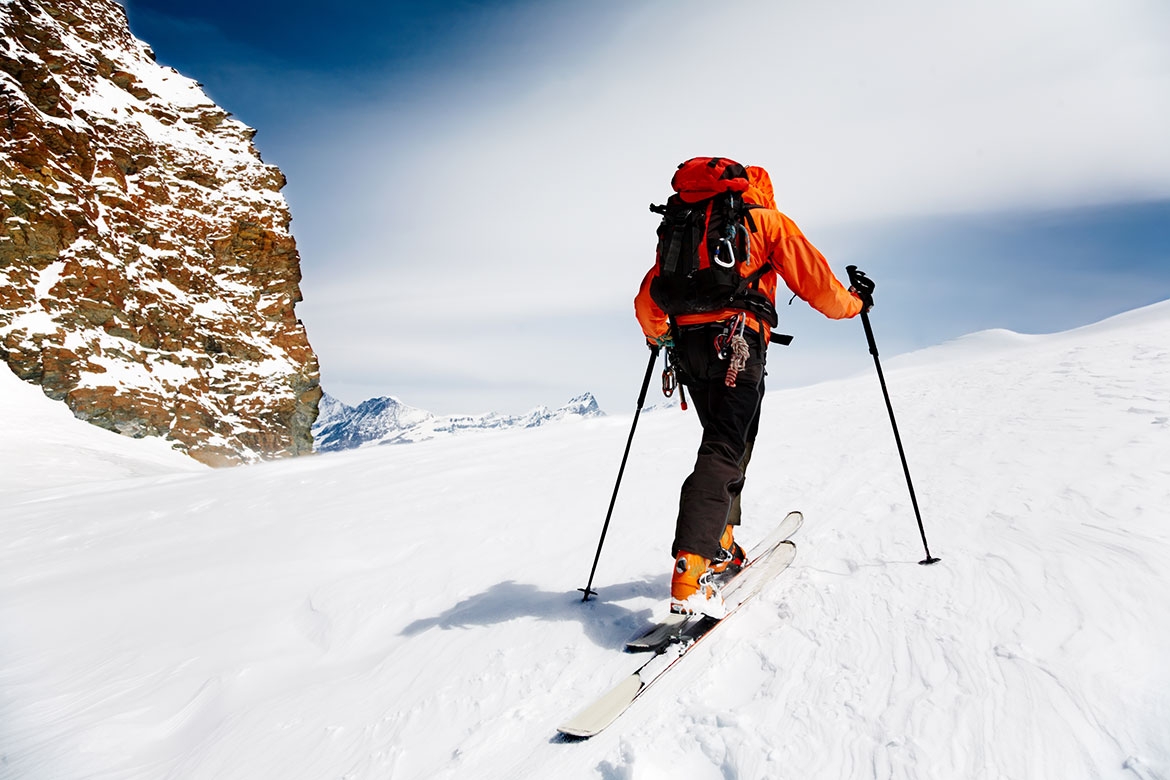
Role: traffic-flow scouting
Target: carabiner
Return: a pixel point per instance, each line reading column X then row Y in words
column 731, row 328
column 669, row 379
column 723, row 242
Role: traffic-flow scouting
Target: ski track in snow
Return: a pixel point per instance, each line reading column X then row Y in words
column 411, row 612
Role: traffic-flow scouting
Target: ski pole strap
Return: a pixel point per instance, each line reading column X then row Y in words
column 654, row 348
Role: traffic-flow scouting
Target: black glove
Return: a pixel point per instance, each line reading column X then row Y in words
column 861, row 286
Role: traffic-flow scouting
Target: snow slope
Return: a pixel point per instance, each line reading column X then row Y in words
column 44, row 446
column 411, row 612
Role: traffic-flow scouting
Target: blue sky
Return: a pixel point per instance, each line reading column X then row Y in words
column 469, row 181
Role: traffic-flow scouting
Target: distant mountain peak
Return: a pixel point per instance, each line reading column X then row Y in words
column 584, row 405
column 387, row 420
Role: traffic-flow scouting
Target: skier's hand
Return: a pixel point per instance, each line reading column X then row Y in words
column 665, row 341
column 862, row 287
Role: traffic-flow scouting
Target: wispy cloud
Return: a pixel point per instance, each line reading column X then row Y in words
column 506, row 191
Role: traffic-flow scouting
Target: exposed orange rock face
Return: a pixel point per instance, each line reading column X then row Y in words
column 147, row 274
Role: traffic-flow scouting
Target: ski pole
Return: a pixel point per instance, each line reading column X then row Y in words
column 587, row 590
column 861, row 282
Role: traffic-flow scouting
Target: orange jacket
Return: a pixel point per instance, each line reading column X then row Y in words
column 779, row 242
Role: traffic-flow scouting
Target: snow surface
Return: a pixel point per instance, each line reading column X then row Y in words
column 411, row 612
column 44, row 449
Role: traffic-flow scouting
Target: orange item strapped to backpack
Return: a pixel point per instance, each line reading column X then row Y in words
column 700, row 178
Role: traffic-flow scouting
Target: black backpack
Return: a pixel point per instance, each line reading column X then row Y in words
column 703, row 248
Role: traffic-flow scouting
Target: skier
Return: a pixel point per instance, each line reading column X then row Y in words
column 719, row 353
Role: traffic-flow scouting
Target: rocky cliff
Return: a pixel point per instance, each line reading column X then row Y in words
column 147, row 274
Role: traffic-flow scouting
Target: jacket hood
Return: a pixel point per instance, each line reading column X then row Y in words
column 760, row 190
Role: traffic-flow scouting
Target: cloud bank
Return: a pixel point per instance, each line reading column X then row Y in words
column 476, row 231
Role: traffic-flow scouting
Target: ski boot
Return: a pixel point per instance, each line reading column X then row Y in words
column 692, row 591
column 731, row 556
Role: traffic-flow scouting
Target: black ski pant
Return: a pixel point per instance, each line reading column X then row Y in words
column 730, row 417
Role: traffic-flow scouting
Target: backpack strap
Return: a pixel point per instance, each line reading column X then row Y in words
column 755, row 276
column 748, row 207
column 692, row 218
column 670, row 262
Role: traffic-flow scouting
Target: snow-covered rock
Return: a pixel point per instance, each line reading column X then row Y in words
column 147, row 274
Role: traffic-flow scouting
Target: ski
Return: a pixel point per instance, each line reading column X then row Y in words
column 597, row 716
column 661, row 634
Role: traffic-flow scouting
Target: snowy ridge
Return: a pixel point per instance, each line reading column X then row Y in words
column 387, row 420
column 288, row 620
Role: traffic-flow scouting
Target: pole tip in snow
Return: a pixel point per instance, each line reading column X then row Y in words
column 928, row 560
column 588, row 592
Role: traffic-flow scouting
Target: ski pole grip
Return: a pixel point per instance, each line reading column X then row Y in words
column 859, row 280
column 861, row 285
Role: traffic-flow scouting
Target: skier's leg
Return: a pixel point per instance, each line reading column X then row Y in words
column 707, row 494
column 735, row 515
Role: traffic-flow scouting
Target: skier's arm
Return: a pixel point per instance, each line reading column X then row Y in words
column 653, row 320
column 807, row 273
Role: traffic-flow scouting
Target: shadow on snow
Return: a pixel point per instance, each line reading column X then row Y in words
column 605, row 621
